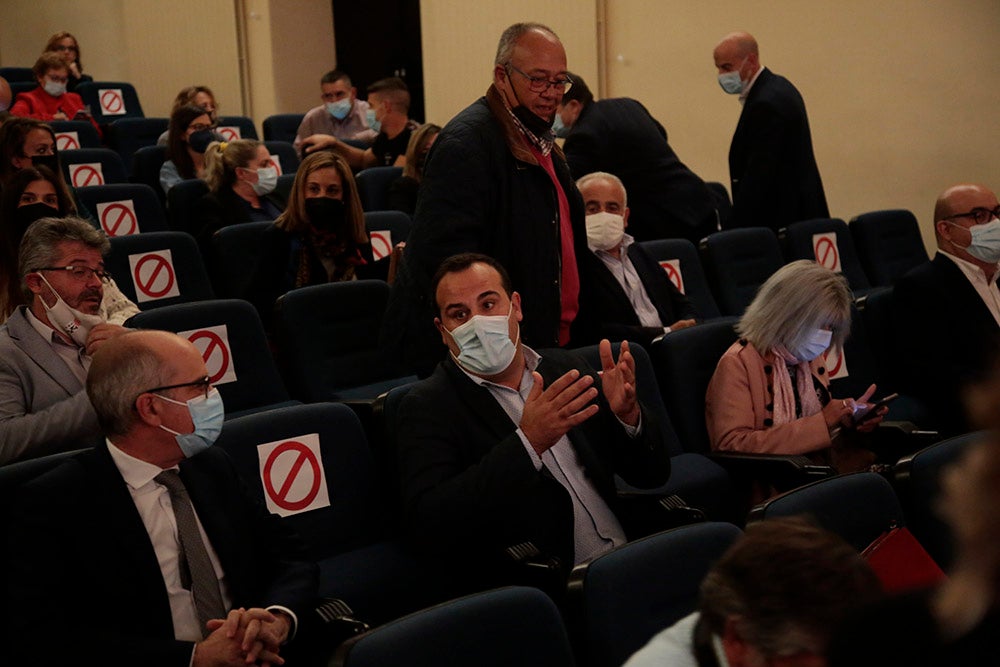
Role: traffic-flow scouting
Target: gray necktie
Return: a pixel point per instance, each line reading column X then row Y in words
column 193, row 556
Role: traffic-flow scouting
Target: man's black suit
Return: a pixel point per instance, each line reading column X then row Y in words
column 773, row 172
column 666, row 199
column 470, row 488
column 946, row 338
column 84, row 585
column 610, row 313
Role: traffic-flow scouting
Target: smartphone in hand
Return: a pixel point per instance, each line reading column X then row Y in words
column 872, row 410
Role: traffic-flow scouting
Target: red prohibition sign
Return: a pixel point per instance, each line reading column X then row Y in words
column 112, row 223
column 840, row 362
column 86, row 174
column 160, row 264
column 380, row 245
column 66, row 142
column 826, row 250
column 229, row 133
column 673, row 274
column 111, row 101
column 214, row 341
column 280, row 496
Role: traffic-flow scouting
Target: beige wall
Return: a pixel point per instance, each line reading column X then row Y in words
column 302, row 50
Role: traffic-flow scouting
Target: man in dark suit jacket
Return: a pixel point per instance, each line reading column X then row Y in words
column 629, row 295
column 621, row 137
column 501, row 446
column 947, row 311
column 98, row 570
column 773, row 172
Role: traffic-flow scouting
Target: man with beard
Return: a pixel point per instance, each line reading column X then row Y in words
column 46, row 346
column 496, row 183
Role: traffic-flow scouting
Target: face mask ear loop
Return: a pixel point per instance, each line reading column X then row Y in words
column 51, row 289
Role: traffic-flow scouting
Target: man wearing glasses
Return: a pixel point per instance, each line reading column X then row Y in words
column 948, row 310
column 496, row 183
column 46, row 345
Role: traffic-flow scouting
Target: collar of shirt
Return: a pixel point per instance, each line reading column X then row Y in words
column 44, row 330
column 746, row 91
column 972, row 271
column 544, row 145
column 136, row 472
column 627, row 241
column 531, row 360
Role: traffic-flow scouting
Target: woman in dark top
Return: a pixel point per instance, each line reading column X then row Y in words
column 403, row 191
column 241, row 178
column 191, row 131
column 68, row 48
column 320, row 238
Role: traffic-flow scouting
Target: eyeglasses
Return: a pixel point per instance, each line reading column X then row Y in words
column 203, row 382
column 81, row 273
column 979, row 214
column 63, row 47
column 198, row 127
column 539, row 84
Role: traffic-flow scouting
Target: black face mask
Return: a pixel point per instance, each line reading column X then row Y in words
column 539, row 127
column 326, row 214
column 25, row 215
column 50, row 161
column 199, row 141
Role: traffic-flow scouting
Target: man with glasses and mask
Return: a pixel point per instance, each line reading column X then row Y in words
column 167, row 556
column 947, row 311
column 496, row 183
column 504, row 446
column 46, row 345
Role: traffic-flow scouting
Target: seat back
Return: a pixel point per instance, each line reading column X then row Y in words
column 622, row 598
column 327, row 337
column 18, row 74
column 679, row 258
column 737, row 262
column 311, row 465
column 128, row 135
column 146, row 164
column 158, row 269
column 282, row 126
column 828, row 241
column 858, row 506
column 182, row 201
column 124, row 208
column 888, row 244
column 854, row 368
column 236, row 251
column 110, row 100
column 72, row 134
column 236, row 127
column 386, row 229
column 498, row 628
column 92, row 166
column 287, row 159
column 373, row 186
column 917, row 479
column 230, row 336
column 685, row 361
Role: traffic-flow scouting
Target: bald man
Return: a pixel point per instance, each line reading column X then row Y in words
column 773, row 173
column 947, row 311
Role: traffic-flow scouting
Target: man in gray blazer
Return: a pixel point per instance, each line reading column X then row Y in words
column 45, row 346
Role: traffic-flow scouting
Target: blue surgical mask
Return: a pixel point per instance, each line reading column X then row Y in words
column 340, row 108
column 372, row 121
column 558, row 127
column 207, row 415
column 484, row 344
column 54, row 88
column 817, row 343
column 267, row 180
column 731, row 81
column 985, row 244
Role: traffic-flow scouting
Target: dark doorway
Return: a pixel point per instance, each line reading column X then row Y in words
column 380, row 38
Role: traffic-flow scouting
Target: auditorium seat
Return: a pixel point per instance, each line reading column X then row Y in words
column 230, row 335
column 888, row 244
column 282, row 127
column 619, row 600
column 128, row 135
column 737, row 262
column 684, row 271
column 124, row 208
column 146, row 164
column 499, row 628
column 373, row 186
column 166, row 265
column 110, row 100
column 92, row 166
column 828, row 241
column 288, row 159
column 18, row 74
column 236, row 127
column 235, row 250
column 72, row 134
column 386, row 229
column 182, row 202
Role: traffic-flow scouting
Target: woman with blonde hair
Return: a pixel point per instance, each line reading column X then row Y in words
column 770, row 391
column 320, row 238
column 241, row 179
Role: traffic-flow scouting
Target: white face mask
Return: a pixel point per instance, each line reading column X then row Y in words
column 267, row 180
column 484, row 343
column 985, row 245
column 70, row 321
column 817, row 343
column 54, row 88
column 605, row 230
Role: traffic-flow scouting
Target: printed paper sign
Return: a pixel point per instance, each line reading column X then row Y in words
column 112, row 101
column 381, row 244
column 291, row 471
column 673, row 269
column 213, row 343
column 118, row 218
column 86, row 174
column 153, row 275
column 825, row 250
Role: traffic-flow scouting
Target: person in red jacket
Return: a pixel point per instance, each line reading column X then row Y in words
column 50, row 101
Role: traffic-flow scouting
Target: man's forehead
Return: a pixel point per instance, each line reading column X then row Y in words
column 469, row 284
column 539, row 50
column 69, row 251
column 602, row 189
column 967, row 198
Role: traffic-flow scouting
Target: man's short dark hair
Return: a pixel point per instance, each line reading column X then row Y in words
column 578, row 91
column 461, row 262
column 394, row 90
column 335, row 75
